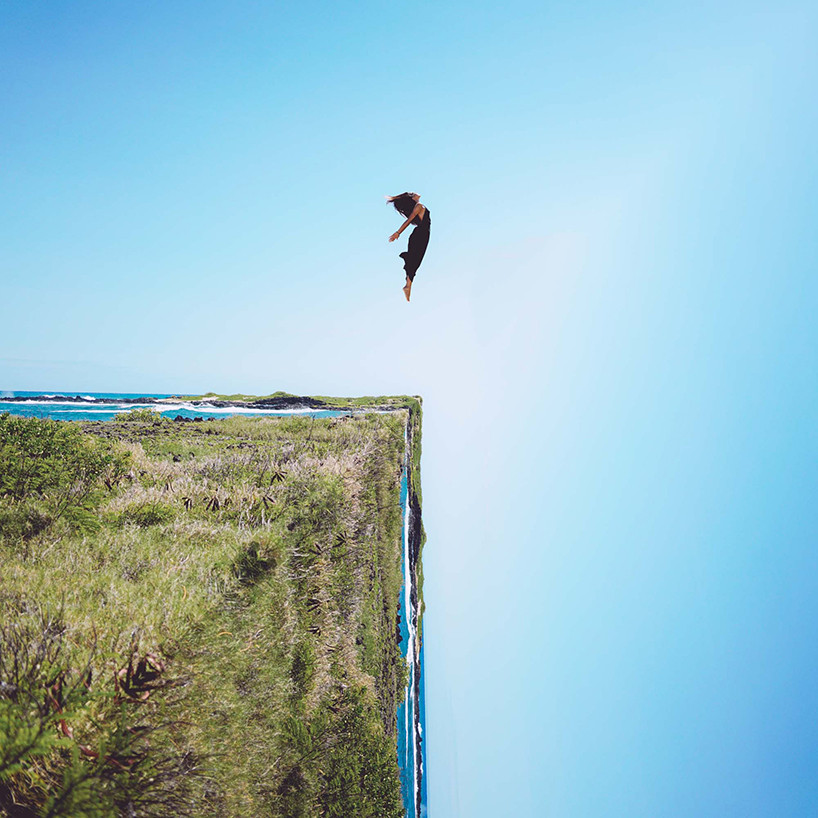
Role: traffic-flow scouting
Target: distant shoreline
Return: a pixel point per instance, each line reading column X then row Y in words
column 217, row 401
column 277, row 403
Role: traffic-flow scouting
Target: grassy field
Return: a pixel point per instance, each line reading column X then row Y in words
column 199, row 618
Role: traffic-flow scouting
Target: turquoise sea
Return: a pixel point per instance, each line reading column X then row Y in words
column 106, row 405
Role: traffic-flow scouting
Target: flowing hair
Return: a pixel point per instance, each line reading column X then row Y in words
column 403, row 203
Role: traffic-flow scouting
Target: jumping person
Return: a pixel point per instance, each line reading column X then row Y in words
column 408, row 205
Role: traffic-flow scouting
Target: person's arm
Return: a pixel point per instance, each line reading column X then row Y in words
column 415, row 212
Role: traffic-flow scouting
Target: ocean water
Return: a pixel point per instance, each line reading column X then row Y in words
column 411, row 716
column 106, row 405
column 411, row 711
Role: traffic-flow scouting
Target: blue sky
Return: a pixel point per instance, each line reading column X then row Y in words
column 613, row 332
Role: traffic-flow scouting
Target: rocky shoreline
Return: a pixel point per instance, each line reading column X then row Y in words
column 283, row 403
column 290, row 402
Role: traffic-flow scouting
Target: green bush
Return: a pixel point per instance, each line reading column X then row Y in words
column 51, row 471
column 139, row 416
column 45, row 457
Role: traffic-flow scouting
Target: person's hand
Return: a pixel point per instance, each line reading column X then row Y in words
column 394, row 236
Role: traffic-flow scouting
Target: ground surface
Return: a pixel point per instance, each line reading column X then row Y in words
column 201, row 616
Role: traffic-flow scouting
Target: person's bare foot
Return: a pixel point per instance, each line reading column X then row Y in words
column 407, row 291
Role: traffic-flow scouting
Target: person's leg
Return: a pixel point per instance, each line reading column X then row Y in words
column 407, row 289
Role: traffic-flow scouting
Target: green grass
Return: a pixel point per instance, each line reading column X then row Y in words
column 412, row 403
column 257, row 560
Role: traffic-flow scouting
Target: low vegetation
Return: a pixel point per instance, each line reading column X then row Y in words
column 199, row 618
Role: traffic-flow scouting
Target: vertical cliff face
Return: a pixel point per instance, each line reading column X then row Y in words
column 417, row 534
column 414, row 770
column 217, row 605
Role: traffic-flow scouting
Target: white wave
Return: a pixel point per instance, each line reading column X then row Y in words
column 99, row 403
column 411, row 649
column 73, row 404
column 109, row 411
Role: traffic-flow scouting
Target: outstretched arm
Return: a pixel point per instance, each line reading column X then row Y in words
column 415, row 212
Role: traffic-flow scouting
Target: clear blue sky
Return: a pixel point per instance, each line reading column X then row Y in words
column 614, row 332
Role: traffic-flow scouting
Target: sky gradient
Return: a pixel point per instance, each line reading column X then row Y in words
column 613, row 332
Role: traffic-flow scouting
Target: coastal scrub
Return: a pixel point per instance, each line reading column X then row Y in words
column 199, row 618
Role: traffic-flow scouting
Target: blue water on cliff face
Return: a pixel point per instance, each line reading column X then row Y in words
column 411, row 711
column 406, row 710
column 411, row 716
column 106, row 405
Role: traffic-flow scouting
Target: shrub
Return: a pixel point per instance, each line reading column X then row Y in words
column 50, row 471
column 139, row 416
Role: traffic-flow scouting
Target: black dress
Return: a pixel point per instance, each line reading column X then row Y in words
column 418, row 241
